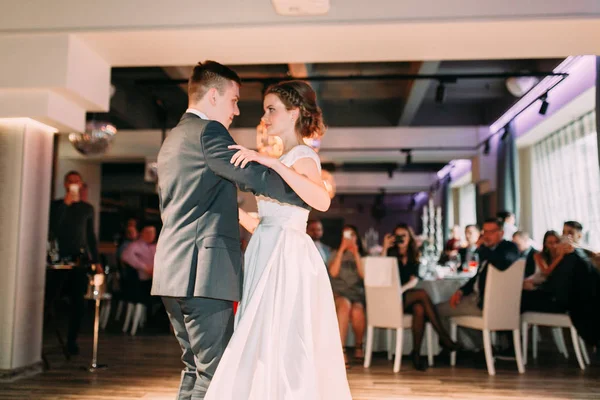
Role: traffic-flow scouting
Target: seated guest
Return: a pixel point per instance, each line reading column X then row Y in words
column 140, row 255
column 572, row 285
column 403, row 246
column 346, row 271
column 539, row 299
column 469, row 252
column 508, row 224
column 455, row 241
column 131, row 235
column 450, row 253
column 573, row 231
column 526, row 251
column 494, row 251
column 314, row 229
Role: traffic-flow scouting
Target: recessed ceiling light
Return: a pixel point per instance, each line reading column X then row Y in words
column 301, row 7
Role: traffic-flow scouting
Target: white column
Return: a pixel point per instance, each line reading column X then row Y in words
column 25, row 175
column 47, row 84
column 526, row 181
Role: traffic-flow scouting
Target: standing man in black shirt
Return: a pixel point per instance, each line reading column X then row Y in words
column 72, row 226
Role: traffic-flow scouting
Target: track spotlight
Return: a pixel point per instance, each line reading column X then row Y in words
column 486, row 147
column 440, row 93
column 544, row 106
column 504, row 135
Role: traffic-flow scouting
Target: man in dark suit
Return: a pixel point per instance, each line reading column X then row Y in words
column 495, row 252
column 573, row 230
column 72, row 227
column 197, row 269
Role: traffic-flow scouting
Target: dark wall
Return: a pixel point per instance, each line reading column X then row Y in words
column 367, row 211
column 125, row 195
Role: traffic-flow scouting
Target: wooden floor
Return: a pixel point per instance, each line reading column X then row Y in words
column 147, row 367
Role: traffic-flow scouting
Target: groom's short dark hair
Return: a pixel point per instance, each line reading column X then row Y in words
column 207, row 75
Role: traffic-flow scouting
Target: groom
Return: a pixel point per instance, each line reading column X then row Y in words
column 198, row 263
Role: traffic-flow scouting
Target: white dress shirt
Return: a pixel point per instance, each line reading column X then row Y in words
column 196, row 112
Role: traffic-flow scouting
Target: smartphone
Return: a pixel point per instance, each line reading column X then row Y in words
column 568, row 239
column 347, row 234
column 74, row 189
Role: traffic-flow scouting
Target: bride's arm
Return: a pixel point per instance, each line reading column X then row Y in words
column 247, row 221
column 304, row 177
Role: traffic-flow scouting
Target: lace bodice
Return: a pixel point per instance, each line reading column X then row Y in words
column 272, row 209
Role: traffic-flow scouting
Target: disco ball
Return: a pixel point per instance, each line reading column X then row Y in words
column 95, row 140
column 519, row 85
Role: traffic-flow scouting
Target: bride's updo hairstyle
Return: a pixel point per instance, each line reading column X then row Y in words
column 299, row 94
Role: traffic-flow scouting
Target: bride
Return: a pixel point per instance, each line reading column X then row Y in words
column 286, row 344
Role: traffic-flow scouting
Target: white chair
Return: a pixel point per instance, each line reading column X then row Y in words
column 136, row 314
column 385, row 308
column 501, row 312
column 556, row 321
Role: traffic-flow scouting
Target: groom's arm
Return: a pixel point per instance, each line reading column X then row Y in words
column 255, row 178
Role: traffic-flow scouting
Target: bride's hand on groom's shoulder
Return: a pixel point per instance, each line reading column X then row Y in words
column 244, row 156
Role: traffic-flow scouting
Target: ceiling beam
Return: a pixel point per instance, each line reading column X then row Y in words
column 371, row 182
column 179, row 73
column 136, row 109
column 417, row 91
column 348, row 42
column 440, row 144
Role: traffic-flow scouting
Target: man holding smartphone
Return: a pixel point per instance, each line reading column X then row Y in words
column 72, row 226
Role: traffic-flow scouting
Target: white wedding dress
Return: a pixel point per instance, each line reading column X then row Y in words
column 286, row 343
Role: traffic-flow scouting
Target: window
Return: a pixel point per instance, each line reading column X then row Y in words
column 467, row 212
column 566, row 180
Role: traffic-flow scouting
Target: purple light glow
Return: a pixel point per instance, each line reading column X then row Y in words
column 582, row 76
column 456, row 169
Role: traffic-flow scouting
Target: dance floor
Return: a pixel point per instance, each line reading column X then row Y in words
column 147, row 367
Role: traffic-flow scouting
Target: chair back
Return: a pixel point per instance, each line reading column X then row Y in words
column 502, row 297
column 383, row 293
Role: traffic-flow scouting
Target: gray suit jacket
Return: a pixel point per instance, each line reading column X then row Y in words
column 198, row 252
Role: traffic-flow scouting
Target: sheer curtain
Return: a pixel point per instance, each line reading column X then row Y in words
column 566, row 180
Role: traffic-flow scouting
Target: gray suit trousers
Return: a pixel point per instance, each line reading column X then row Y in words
column 203, row 327
column 470, row 338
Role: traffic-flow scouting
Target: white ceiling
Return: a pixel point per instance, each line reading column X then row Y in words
column 362, row 42
column 77, row 15
column 182, row 32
